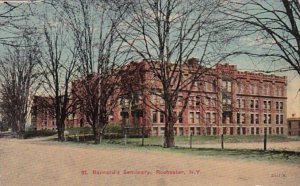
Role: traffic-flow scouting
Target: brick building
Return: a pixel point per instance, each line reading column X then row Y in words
column 294, row 126
column 42, row 115
column 224, row 100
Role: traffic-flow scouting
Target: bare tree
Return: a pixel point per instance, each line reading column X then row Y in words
column 165, row 34
column 271, row 28
column 59, row 66
column 93, row 25
column 18, row 76
column 13, row 16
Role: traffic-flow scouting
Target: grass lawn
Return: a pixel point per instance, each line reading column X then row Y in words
column 154, row 144
column 184, row 140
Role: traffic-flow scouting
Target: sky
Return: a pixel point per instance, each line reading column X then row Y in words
column 244, row 63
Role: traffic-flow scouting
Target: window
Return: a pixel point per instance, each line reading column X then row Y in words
column 192, row 119
column 207, row 118
column 214, row 117
column 197, row 100
column 252, row 104
column 227, row 117
column 265, row 105
column 162, row 118
column 238, row 118
column 256, row 104
column 265, row 119
column 252, row 118
column 270, row 118
column 269, row 105
column 277, row 119
column 243, row 118
column 208, row 101
column 257, row 130
column 226, row 85
column 198, row 117
column 281, row 119
column 154, row 116
column 238, row 102
column 179, row 118
column 162, row 130
column 281, row 105
column 256, row 118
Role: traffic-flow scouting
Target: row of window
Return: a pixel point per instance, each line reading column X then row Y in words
column 159, row 117
column 254, row 104
column 256, row 89
column 254, row 118
column 211, row 118
column 214, row 130
column 211, row 102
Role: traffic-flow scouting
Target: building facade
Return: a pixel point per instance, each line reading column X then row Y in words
column 293, row 126
column 223, row 100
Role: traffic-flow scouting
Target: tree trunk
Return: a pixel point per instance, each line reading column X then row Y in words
column 97, row 134
column 169, row 125
column 97, row 138
column 169, row 140
column 60, row 132
column 169, row 137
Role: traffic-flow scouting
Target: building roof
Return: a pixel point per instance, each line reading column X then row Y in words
column 294, row 119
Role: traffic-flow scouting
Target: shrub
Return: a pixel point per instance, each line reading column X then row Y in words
column 114, row 129
column 39, row 133
column 79, row 130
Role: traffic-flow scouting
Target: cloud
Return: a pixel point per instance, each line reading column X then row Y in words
column 293, row 94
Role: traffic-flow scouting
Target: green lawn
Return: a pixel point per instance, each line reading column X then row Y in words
column 154, row 144
column 184, row 140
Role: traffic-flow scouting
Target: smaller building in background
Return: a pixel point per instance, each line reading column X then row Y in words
column 294, row 126
column 42, row 113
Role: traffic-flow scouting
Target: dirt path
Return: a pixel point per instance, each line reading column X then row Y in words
column 43, row 163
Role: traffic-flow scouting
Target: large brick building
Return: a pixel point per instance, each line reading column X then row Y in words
column 223, row 100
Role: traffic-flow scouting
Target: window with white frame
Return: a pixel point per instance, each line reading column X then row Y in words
column 207, row 118
column 197, row 117
column 154, row 116
column 192, row 117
